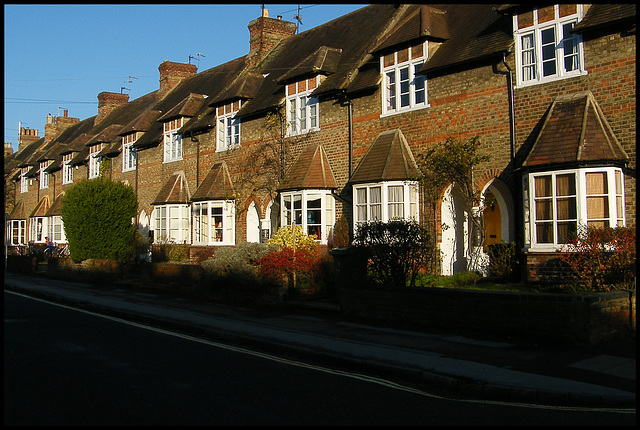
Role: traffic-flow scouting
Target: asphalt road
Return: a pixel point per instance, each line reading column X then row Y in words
column 64, row 366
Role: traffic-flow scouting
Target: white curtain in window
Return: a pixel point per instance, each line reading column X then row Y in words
column 528, row 58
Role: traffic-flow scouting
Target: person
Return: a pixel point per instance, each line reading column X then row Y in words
column 50, row 245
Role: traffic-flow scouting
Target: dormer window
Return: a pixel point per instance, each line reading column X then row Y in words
column 94, row 161
column 546, row 47
column 172, row 140
column 403, row 89
column 302, row 110
column 44, row 176
column 24, row 181
column 67, row 169
column 228, row 127
column 129, row 156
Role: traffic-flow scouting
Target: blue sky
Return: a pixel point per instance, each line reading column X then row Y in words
column 59, row 57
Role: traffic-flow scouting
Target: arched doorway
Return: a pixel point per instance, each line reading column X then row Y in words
column 253, row 223
column 455, row 233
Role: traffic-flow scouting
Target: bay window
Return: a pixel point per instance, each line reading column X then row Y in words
column 313, row 210
column 386, row 201
column 16, row 232
column 171, row 223
column 38, row 229
column 556, row 203
column 214, row 222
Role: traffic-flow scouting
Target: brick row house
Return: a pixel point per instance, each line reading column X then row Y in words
column 307, row 128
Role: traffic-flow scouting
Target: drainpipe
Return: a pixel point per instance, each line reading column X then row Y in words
column 512, row 123
column 350, row 105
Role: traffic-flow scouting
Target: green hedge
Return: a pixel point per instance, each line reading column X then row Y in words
column 97, row 216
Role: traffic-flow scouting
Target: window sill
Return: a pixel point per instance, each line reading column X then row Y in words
column 550, row 80
column 399, row 112
column 302, row 132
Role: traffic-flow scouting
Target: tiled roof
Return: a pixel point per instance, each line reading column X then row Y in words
column 476, row 31
column 324, row 60
column 56, row 207
column 188, row 107
column 41, row 208
column 106, row 135
column 389, row 158
column 311, row 170
column 18, row 211
column 607, row 15
column 216, row 185
column 575, row 131
column 140, row 123
column 174, row 190
column 354, row 34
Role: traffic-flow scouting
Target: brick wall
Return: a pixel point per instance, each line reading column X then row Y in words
column 577, row 319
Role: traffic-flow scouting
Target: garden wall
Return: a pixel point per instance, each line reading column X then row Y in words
column 577, row 319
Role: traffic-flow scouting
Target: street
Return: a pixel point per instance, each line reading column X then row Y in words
column 70, row 367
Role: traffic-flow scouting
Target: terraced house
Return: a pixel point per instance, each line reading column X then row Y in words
column 309, row 127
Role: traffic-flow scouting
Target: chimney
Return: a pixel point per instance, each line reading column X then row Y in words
column 8, row 150
column 172, row 73
column 264, row 34
column 27, row 137
column 107, row 102
column 57, row 124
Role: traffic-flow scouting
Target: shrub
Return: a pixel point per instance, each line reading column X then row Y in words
column 503, row 261
column 397, row 250
column 237, row 265
column 168, row 251
column 284, row 237
column 280, row 266
column 97, row 216
column 602, row 258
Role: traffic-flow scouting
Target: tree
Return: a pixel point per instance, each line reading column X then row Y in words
column 97, row 216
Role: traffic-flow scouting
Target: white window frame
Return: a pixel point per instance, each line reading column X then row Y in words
column 94, row 160
column 377, row 201
column 172, row 140
column 16, row 232
column 214, row 222
column 227, row 126
column 38, row 229
column 56, row 230
column 24, row 181
column 303, row 215
column 534, row 62
column 171, row 223
column 67, row 169
column 129, row 155
column 44, row 176
column 615, row 212
column 401, row 84
column 303, row 112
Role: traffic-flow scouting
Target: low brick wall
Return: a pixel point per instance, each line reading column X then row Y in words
column 577, row 319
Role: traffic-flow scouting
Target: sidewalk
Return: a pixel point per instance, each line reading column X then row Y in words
column 463, row 365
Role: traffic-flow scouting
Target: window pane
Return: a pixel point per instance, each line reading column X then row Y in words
column 528, row 58
column 544, row 210
column 419, row 80
column 297, row 209
column 596, row 183
column 566, row 231
column 548, row 52
column 566, row 185
column 543, row 186
column 566, row 209
column 404, row 87
column 391, row 90
column 544, row 232
column 314, row 215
